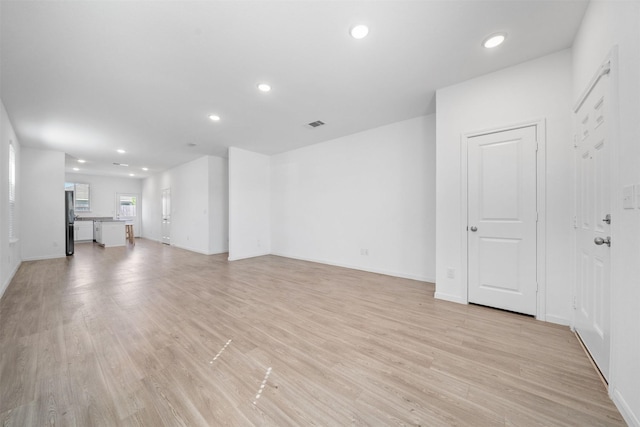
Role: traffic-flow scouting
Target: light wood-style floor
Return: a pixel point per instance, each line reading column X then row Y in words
column 153, row 335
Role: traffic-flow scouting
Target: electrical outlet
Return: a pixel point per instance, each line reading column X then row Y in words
column 451, row 273
column 628, row 201
column 364, row 252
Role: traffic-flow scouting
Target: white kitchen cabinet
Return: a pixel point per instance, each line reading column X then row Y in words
column 83, row 231
column 110, row 233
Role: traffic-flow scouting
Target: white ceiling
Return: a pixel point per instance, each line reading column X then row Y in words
column 88, row 77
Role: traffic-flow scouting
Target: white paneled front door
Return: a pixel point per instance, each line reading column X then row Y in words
column 166, row 216
column 502, row 219
column 593, row 225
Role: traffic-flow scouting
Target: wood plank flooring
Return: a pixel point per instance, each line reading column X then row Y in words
column 150, row 335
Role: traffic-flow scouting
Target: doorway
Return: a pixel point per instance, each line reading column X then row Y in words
column 503, row 217
column 165, row 228
column 128, row 209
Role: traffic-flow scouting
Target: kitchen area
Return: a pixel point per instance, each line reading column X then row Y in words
column 104, row 210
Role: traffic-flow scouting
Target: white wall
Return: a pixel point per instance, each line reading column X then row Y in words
column 10, row 251
column 103, row 190
column 198, row 200
column 607, row 24
column 218, row 204
column 42, row 218
column 371, row 191
column 190, row 206
column 249, row 204
column 539, row 89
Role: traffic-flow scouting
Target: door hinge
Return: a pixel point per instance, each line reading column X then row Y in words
column 575, row 302
column 537, row 216
column 575, row 140
column 575, row 221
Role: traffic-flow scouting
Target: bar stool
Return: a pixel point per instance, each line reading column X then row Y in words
column 128, row 232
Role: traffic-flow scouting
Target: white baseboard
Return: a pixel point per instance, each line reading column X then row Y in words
column 630, row 418
column 198, row 251
column 40, row 258
column 450, row 298
column 557, row 320
column 360, row 268
column 254, row 255
column 6, row 283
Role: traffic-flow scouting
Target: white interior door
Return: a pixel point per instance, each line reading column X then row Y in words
column 166, row 216
column 593, row 229
column 128, row 209
column 502, row 220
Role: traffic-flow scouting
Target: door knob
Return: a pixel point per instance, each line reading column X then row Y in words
column 600, row 241
column 474, row 228
column 607, row 219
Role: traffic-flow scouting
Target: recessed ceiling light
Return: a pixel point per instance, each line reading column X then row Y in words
column 494, row 40
column 263, row 87
column 359, row 31
column 76, row 169
column 132, row 174
column 121, row 151
column 145, row 169
column 81, row 161
column 214, row 118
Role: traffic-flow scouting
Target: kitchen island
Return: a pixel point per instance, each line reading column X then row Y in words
column 109, row 233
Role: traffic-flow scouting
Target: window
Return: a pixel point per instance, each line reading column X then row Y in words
column 81, row 195
column 12, row 190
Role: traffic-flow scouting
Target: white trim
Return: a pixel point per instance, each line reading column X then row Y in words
column 7, row 282
column 253, row 255
column 624, row 408
column 558, row 320
column 451, row 298
column 198, row 251
column 40, row 258
column 360, row 268
column 541, row 191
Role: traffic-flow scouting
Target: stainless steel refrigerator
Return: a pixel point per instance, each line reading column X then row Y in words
column 69, row 220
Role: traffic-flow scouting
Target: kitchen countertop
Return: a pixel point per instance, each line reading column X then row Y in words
column 99, row 219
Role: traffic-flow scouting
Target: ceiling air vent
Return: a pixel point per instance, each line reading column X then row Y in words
column 120, row 164
column 315, row 124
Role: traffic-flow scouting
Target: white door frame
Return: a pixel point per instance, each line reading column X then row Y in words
column 137, row 229
column 608, row 66
column 541, row 179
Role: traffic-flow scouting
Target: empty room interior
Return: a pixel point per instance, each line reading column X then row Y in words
column 320, row 213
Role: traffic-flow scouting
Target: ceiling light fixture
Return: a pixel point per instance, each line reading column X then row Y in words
column 81, row 161
column 494, row 40
column 132, row 174
column 214, row 118
column 121, row 151
column 263, row 87
column 76, row 169
column 359, row 31
column 145, row 169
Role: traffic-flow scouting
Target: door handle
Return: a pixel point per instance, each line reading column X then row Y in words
column 474, row 228
column 600, row 241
